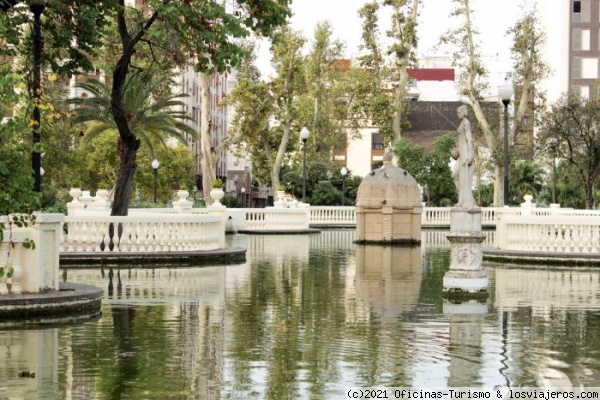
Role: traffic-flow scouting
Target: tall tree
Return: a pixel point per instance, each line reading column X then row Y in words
column 385, row 107
column 529, row 69
column 402, row 50
column 267, row 111
column 206, row 30
column 575, row 124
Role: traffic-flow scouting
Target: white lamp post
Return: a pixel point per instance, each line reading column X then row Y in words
column 304, row 133
column 243, row 197
column 155, row 165
column 344, row 172
column 505, row 92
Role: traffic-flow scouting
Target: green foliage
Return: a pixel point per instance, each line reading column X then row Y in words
column 525, row 178
column 325, row 194
column 431, row 170
column 17, row 199
column 574, row 123
column 217, row 184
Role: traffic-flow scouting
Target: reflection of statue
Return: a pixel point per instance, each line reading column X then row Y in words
column 464, row 156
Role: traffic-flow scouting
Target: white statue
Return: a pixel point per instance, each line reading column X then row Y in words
column 464, row 156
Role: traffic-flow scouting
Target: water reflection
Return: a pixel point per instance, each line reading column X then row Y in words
column 388, row 278
column 305, row 317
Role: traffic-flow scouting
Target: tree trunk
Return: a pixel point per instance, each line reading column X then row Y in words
column 498, row 185
column 131, row 143
column 589, row 194
column 207, row 157
column 276, row 169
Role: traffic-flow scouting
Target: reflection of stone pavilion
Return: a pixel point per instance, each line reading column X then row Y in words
column 388, row 206
column 388, row 278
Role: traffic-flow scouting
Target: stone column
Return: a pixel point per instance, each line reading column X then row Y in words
column 466, row 275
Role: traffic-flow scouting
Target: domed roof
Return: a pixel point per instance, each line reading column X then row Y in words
column 389, row 186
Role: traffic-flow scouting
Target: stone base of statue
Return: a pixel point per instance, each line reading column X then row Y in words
column 466, row 278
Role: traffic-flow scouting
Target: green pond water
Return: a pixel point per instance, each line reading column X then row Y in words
column 306, row 317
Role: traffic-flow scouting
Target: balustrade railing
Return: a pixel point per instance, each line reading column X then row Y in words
column 332, row 216
column 142, row 232
column 549, row 233
column 273, row 219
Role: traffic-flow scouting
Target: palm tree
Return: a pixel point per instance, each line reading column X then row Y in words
column 526, row 178
column 151, row 119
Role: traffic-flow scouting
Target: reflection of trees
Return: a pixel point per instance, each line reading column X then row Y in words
column 294, row 320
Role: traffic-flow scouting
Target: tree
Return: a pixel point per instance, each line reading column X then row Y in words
column 430, row 170
column 206, row 32
column 152, row 120
column 575, row 124
column 386, row 108
column 16, row 181
column 526, row 178
column 267, row 112
column 529, row 70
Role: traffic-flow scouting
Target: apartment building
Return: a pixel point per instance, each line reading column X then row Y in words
column 572, row 47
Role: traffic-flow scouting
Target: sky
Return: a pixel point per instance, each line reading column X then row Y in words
column 492, row 19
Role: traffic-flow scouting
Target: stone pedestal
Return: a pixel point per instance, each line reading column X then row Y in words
column 466, row 277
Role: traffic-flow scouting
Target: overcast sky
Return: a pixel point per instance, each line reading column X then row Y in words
column 492, row 19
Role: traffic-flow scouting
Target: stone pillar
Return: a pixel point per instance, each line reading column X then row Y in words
column 40, row 266
column 182, row 204
column 466, row 275
column 220, row 210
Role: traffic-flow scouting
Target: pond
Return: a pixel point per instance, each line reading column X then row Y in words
column 306, row 317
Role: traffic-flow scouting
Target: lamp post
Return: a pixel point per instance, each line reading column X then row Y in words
column 37, row 8
column 304, row 133
column 505, row 92
column 155, row 165
column 243, row 197
column 344, row 172
column 553, row 143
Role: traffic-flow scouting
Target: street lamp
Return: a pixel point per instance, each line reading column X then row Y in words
column 155, row 165
column 37, row 8
column 304, row 133
column 344, row 172
column 243, row 197
column 505, row 92
column 553, row 143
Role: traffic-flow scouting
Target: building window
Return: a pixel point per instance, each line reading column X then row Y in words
column 581, row 10
column 581, row 39
column 589, row 68
column 377, row 141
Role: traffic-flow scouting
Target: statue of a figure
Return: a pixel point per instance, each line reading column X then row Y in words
column 464, row 156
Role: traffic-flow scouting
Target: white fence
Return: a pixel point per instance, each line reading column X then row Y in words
column 141, row 232
column 431, row 216
column 267, row 219
column 332, row 216
column 571, row 232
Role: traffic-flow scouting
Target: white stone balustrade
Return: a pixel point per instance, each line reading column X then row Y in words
column 549, row 233
column 268, row 219
column 440, row 216
column 332, row 216
column 142, row 232
column 35, row 269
